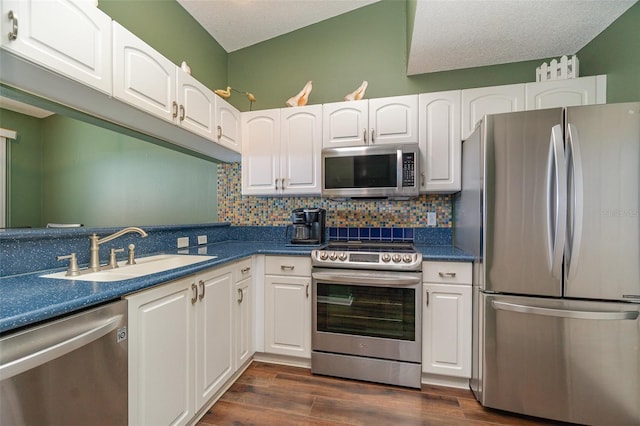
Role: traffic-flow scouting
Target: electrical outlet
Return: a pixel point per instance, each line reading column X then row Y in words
column 183, row 242
column 202, row 239
column 431, row 219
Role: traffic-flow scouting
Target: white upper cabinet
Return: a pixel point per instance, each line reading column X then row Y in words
column 196, row 105
column 70, row 37
column 300, row 144
column 260, row 152
column 142, row 76
column 476, row 103
column 564, row 93
column 367, row 122
column 393, row 120
column 345, row 124
column 440, row 143
column 227, row 119
column 281, row 151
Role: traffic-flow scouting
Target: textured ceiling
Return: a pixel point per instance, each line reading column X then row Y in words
column 447, row 34
column 469, row 33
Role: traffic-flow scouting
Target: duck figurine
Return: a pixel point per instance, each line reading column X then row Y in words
column 223, row 93
column 301, row 98
column 357, row 94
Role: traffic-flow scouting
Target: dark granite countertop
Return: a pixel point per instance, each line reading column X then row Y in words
column 28, row 298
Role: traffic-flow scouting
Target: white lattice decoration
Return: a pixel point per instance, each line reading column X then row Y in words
column 558, row 70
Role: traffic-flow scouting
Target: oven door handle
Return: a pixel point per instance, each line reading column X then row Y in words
column 375, row 280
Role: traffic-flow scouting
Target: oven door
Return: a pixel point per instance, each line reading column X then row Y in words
column 373, row 314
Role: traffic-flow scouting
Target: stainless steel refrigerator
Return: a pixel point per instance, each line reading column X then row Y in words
column 549, row 208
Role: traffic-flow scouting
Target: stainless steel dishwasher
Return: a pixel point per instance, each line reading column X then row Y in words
column 70, row 371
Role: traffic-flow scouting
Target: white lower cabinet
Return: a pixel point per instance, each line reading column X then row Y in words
column 446, row 320
column 181, row 349
column 287, row 306
column 243, row 312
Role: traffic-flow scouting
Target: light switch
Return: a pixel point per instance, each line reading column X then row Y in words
column 431, row 219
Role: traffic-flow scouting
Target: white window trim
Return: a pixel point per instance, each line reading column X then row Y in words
column 4, row 135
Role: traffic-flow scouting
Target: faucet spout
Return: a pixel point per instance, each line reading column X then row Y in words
column 94, row 261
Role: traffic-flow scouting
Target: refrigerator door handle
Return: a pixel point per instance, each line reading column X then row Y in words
column 576, row 199
column 556, row 202
column 565, row 313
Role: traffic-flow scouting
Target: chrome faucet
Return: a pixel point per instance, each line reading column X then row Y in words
column 94, row 260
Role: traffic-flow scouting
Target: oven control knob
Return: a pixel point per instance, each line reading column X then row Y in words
column 407, row 258
column 333, row 255
column 397, row 258
column 386, row 257
column 324, row 255
column 342, row 256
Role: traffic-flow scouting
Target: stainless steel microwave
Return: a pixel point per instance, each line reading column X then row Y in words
column 380, row 171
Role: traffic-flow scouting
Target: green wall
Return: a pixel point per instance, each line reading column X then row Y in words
column 169, row 29
column 24, row 198
column 616, row 52
column 371, row 44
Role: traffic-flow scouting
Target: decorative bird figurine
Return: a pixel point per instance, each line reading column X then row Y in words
column 301, row 98
column 223, row 93
column 358, row 93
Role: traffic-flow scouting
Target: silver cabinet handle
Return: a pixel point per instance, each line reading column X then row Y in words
column 201, row 290
column 565, row 313
column 364, row 136
column 175, row 109
column 194, row 299
column 240, row 295
column 219, row 132
column 373, row 136
column 245, row 270
column 424, row 179
column 282, row 184
column 277, row 183
column 307, row 290
column 447, row 274
column 427, row 298
column 287, row 267
column 181, row 112
column 13, row 34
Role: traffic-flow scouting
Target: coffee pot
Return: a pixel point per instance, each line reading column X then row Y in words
column 307, row 226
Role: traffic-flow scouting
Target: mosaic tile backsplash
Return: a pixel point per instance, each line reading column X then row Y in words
column 241, row 210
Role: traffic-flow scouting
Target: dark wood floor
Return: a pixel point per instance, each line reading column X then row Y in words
column 270, row 394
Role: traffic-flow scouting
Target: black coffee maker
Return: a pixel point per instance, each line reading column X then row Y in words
column 307, row 226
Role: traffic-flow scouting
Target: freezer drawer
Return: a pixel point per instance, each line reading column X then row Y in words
column 565, row 360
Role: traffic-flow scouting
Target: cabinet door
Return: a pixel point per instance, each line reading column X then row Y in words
column 345, row 124
column 446, row 330
column 243, row 322
column 214, row 331
column 196, row 105
column 161, row 345
column 393, row 120
column 227, row 125
column 300, row 149
column 565, row 93
column 476, row 103
column 440, row 143
column 261, row 152
column 72, row 38
column 288, row 315
column 142, row 76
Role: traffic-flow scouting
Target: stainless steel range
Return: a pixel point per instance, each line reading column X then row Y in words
column 367, row 312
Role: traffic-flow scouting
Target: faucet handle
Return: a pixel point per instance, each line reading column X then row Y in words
column 132, row 252
column 73, row 269
column 113, row 262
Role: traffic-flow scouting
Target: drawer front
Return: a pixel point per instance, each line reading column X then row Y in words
column 288, row 265
column 243, row 269
column 447, row 272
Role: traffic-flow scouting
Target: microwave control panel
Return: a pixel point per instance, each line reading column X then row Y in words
column 408, row 169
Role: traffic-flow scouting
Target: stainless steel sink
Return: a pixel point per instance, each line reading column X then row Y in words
column 144, row 266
